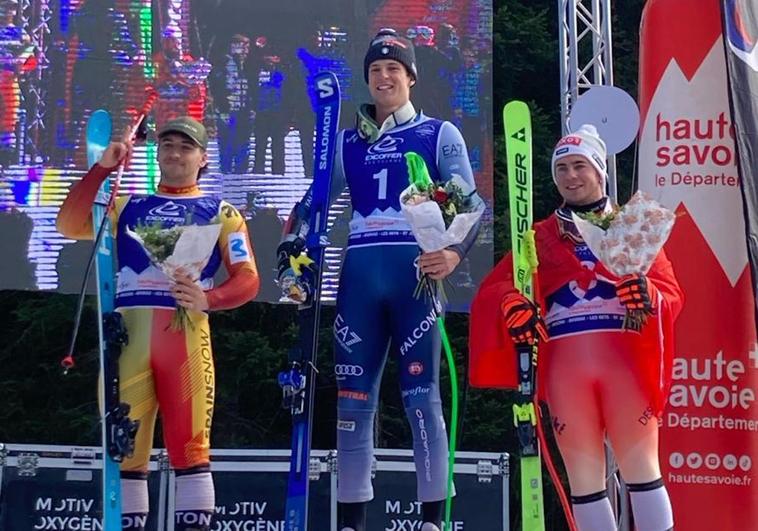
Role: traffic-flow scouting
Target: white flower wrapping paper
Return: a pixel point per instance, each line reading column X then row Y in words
column 192, row 251
column 634, row 238
column 427, row 223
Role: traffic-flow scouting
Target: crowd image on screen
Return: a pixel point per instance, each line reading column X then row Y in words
column 239, row 68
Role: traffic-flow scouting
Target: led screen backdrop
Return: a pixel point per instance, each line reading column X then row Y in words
column 240, row 67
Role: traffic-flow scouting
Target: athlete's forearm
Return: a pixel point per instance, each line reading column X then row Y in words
column 464, row 247
column 452, row 159
column 75, row 215
column 241, row 287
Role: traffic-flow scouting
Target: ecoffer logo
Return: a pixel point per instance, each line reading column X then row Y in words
column 169, row 209
column 386, row 150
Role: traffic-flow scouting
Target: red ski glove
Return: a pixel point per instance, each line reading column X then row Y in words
column 522, row 317
column 636, row 293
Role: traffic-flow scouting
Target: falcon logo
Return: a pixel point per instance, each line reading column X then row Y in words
column 740, row 35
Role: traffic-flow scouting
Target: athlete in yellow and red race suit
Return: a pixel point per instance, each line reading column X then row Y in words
column 162, row 368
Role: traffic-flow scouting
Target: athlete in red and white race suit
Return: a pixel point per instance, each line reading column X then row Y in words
column 599, row 380
column 161, row 368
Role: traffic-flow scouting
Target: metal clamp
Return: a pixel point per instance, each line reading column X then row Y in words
column 331, row 462
column 314, row 468
column 83, row 456
column 27, row 465
column 484, row 471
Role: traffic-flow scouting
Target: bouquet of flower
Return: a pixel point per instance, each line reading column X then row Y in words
column 184, row 249
column 627, row 240
column 440, row 214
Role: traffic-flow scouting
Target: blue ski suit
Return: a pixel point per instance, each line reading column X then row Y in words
column 376, row 310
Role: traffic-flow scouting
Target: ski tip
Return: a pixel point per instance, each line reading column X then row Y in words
column 515, row 105
column 99, row 127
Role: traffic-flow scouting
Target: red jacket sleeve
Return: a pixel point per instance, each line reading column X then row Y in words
column 658, row 334
column 237, row 252
column 492, row 361
column 75, row 215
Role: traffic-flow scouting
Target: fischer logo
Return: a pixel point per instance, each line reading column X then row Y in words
column 341, row 371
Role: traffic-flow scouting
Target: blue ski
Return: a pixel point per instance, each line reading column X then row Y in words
column 117, row 430
column 298, row 383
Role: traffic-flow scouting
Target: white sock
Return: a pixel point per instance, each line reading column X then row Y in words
column 593, row 512
column 135, row 503
column 195, row 492
column 651, row 506
column 134, row 499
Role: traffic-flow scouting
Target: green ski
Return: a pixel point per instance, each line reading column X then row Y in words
column 518, row 143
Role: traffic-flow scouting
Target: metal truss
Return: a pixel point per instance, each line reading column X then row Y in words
column 585, row 57
column 34, row 18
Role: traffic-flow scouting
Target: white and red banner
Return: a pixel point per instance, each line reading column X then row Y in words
column 688, row 162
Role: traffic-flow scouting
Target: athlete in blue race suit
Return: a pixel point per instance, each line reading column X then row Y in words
column 376, row 310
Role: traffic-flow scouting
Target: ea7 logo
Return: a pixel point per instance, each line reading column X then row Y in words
column 325, row 87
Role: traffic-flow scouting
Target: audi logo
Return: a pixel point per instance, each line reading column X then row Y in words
column 348, row 370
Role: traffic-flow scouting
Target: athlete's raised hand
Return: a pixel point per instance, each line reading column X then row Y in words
column 118, row 152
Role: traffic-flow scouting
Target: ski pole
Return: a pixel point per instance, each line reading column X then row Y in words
column 68, row 361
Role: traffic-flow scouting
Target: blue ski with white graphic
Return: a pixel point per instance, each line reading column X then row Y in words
column 117, row 429
column 298, row 383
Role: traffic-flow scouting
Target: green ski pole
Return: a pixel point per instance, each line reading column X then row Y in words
column 418, row 175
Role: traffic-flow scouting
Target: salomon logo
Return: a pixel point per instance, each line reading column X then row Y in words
column 325, row 88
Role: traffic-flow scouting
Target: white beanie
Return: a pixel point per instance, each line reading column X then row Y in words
column 584, row 141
